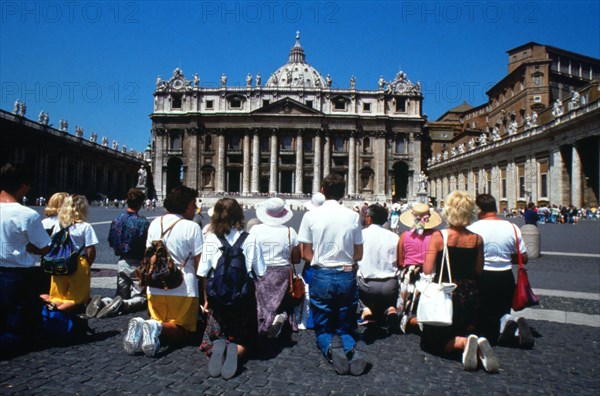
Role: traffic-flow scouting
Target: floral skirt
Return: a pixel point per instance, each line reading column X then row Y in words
column 408, row 299
column 272, row 298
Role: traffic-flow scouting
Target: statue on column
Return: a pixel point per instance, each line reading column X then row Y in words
column 93, row 137
column 249, row 80
column 557, row 108
column 142, row 175
column 104, row 141
column 527, row 122
column 353, row 82
column 115, row 145
column 41, row 117
column 328, row 80
column 496, row 133
column 575, row 100
column 196, row 80
column 17, row 107
column 381, row 82
column 223, row 80
column 258, row 78
column 23, row 109
column 422, row 180
column 534, row 118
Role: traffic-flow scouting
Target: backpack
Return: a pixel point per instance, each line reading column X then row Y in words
column 158, row 269
column 62, row 259
column 229, row 283
column 60, row 327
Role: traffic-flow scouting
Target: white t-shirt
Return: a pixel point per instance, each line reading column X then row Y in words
column 82, row 234
column 380, row 253
column 49, row 223
column 333, row 231
column 499, row 243
column 182, row 241
column 273, row 241
column 211, row 253
column 19, row 226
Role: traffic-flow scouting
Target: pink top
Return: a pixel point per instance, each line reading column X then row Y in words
column 414, row 247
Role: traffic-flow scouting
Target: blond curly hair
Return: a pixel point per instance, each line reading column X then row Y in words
column 74, row 209
column 458, row 208
column 54, row 203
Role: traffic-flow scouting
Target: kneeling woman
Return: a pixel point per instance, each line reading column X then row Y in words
column 173, row 312
column 72, row 292
column 281, row 249
column 231, row 328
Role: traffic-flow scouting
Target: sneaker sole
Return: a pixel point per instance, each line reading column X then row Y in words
column 507, row 337
column 526, row 340
column 110, row 310
column 470, row 354
column 358, row 364
column 338, row 357
column 131, row 347
column 215, row 362
column 93, row 307
column 488, row 357
column 149, row 349
column 229, row 367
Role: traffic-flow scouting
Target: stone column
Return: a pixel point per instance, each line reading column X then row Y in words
column 317, row 163
column 532, row 178
column 193, row 172
column 273, row 173
column 157, row 167
column 576, row 179
column 220, row 187
column 246, row 177
column 255, row 161
column 327, row 155
column 380, row 158
column 352, row 163
column 512, row 183
column 299, row 162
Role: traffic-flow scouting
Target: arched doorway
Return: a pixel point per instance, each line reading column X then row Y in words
column 174, row 173
column 400, row 181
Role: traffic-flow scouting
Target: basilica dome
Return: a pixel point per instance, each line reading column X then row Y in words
column 296, row 73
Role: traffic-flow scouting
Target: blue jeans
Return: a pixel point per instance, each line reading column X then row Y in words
column 17, row 306
column 333, row 301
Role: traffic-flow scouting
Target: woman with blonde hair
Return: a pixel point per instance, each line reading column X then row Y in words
column 465, row 253
column 70, row 292
column 51, row 211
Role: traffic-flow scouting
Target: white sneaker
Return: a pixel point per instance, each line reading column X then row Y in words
column 132, row 342
column 275, row 329
column 150, row 343
column 469, row 357
column 488, row 357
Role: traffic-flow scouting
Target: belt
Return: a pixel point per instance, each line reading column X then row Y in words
column 343, row 268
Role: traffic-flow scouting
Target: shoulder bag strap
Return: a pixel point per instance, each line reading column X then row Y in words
column 169, row 228
column 518, row 246
column 445, row 259
column 292, row 267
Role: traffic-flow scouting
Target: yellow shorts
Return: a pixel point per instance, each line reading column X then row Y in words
column 182, row 311
column 74, row 288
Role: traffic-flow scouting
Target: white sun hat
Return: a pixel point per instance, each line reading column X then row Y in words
column 273, row 211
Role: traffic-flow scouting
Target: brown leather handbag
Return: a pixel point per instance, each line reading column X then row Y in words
column 296, row 290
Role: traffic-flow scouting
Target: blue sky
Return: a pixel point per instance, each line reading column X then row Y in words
column 95, row 63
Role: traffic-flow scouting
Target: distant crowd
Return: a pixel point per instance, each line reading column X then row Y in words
column 233, row 284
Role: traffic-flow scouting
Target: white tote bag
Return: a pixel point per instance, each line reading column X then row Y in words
column 435, row 302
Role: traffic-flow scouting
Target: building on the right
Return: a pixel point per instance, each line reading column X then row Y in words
column 536, row 140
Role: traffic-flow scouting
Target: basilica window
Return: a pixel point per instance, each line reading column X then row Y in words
column 339, row 105
column 235, row 103
column 308, row 145
column 367, row 107
column 208, row 143
column 401, row 105
column 503, row 182
column 400, row 146
column 176, row 103
column 543, row 179
column 209, row 104
column 266, row 102
column 175, row 142
column 338, row 143
column 521, row 178
column 264, row 144
column 234, row 142
column 309, row 103
column 286, row 142
column 366, row 145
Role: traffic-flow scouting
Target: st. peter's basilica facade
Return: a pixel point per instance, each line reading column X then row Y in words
column 284, row 135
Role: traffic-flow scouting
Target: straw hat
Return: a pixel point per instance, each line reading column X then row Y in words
column 273, row 212
column 420, row 217
column 316, row 201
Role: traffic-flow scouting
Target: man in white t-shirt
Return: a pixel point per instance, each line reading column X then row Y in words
column 497, row 282
column 174, row 312
column 333, row 241
column 22, row 237
column 378, row 270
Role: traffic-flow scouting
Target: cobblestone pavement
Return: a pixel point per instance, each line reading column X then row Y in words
column 565, row 359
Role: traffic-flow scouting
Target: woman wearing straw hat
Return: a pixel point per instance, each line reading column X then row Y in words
column 279, row 245
column 411, row 255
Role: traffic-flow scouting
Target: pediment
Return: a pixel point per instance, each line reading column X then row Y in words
column 286, row 106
